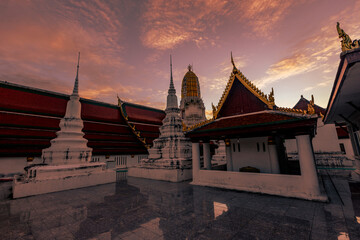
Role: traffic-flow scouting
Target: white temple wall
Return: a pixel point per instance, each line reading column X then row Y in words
column 348, row 148
column 15, row 165
column 253, row 152
column 276, row 184
column 325, row 140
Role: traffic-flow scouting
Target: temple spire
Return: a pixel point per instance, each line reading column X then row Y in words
column 76, row 85
column 232, row 61
column 171, row 75
column 171, row 88
column 171, row 98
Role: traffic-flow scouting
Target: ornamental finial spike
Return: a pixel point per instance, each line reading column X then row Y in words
column 189, row 67
column 271, row 96
column 76, row 84
column 232, row 62
column 311, row 105
column 346, row 43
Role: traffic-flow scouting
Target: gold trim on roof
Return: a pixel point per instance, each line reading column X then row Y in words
column 311, row 105
column 131, row 126
column 346, row 43
column 291, row 110
column 200, row 124
column 268, row 100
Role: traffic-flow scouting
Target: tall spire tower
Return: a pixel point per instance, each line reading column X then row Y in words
column 171, row 147
column 76, row 84
column 171, row 98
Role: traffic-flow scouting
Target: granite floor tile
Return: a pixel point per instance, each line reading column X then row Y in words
column 148, row 209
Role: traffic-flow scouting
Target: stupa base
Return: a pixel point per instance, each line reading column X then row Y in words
column 84, row 175
column 163, row 174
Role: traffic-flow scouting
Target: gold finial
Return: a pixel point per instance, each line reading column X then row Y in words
column 120, row 102
column 346, row 43
column 189, row 67
column 232, row 61
column 311, row 104
column 271, row 96
column 213, row 110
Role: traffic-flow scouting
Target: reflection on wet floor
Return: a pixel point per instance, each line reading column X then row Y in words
column 219, row 209
column 148, row 209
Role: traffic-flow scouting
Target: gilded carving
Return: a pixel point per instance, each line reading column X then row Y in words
column 311, row 105
column 346, row 43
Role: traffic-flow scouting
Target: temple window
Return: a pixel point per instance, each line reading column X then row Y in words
column 264, row 149
column 238, row 147
column 234, row 147
column 258, row 146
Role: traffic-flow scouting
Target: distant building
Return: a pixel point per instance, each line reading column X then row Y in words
column 330, row 138
column 191, row 105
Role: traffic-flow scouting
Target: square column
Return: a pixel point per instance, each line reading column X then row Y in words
column 195, row 159
column 207, row 155
column 274, row 159
column 229, row 163
column 307, row 165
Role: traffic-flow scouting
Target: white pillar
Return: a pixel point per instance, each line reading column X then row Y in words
column 195, row 159
column 307, row 165
column 229, row 163
column 207, row 156
column 274, row 158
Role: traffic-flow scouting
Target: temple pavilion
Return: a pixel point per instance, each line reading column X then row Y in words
column 254, row 130
column 344, row 102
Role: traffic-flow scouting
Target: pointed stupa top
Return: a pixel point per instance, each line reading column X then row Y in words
column 171, row 98
column 171, row 88
column 76, row 84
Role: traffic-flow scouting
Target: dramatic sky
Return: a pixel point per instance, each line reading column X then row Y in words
column 291, row 46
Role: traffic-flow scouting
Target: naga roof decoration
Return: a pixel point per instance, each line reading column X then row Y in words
column 346, row 43
column 132, row 126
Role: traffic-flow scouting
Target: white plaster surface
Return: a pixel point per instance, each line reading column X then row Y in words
column 249, row 154
column 24, row 189
column 170, row 175
column 276, row 184
column 325, row 140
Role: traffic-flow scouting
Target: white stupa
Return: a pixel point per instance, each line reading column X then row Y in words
column 70, row 146
column 170, row 156
column 67, row 162
column 171, row 149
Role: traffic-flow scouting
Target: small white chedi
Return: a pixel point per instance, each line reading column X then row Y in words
column 67, row 162
column 170, row 156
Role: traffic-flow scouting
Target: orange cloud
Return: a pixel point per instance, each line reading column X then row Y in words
column 170, row 23
column 315, row 52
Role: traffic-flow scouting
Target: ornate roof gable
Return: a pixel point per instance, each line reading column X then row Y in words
column 267, row 100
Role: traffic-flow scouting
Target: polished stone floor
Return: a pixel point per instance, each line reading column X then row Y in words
column 149, row 209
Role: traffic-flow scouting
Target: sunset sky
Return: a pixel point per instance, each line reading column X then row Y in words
column 291, row 46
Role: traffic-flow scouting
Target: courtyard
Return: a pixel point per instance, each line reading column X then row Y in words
column 135, row 208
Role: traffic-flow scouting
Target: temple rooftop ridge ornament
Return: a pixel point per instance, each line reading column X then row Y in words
column 346, row 43
column 311, row 105
column 269, row 100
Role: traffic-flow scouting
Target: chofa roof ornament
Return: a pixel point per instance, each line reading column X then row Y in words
column 346, row 43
